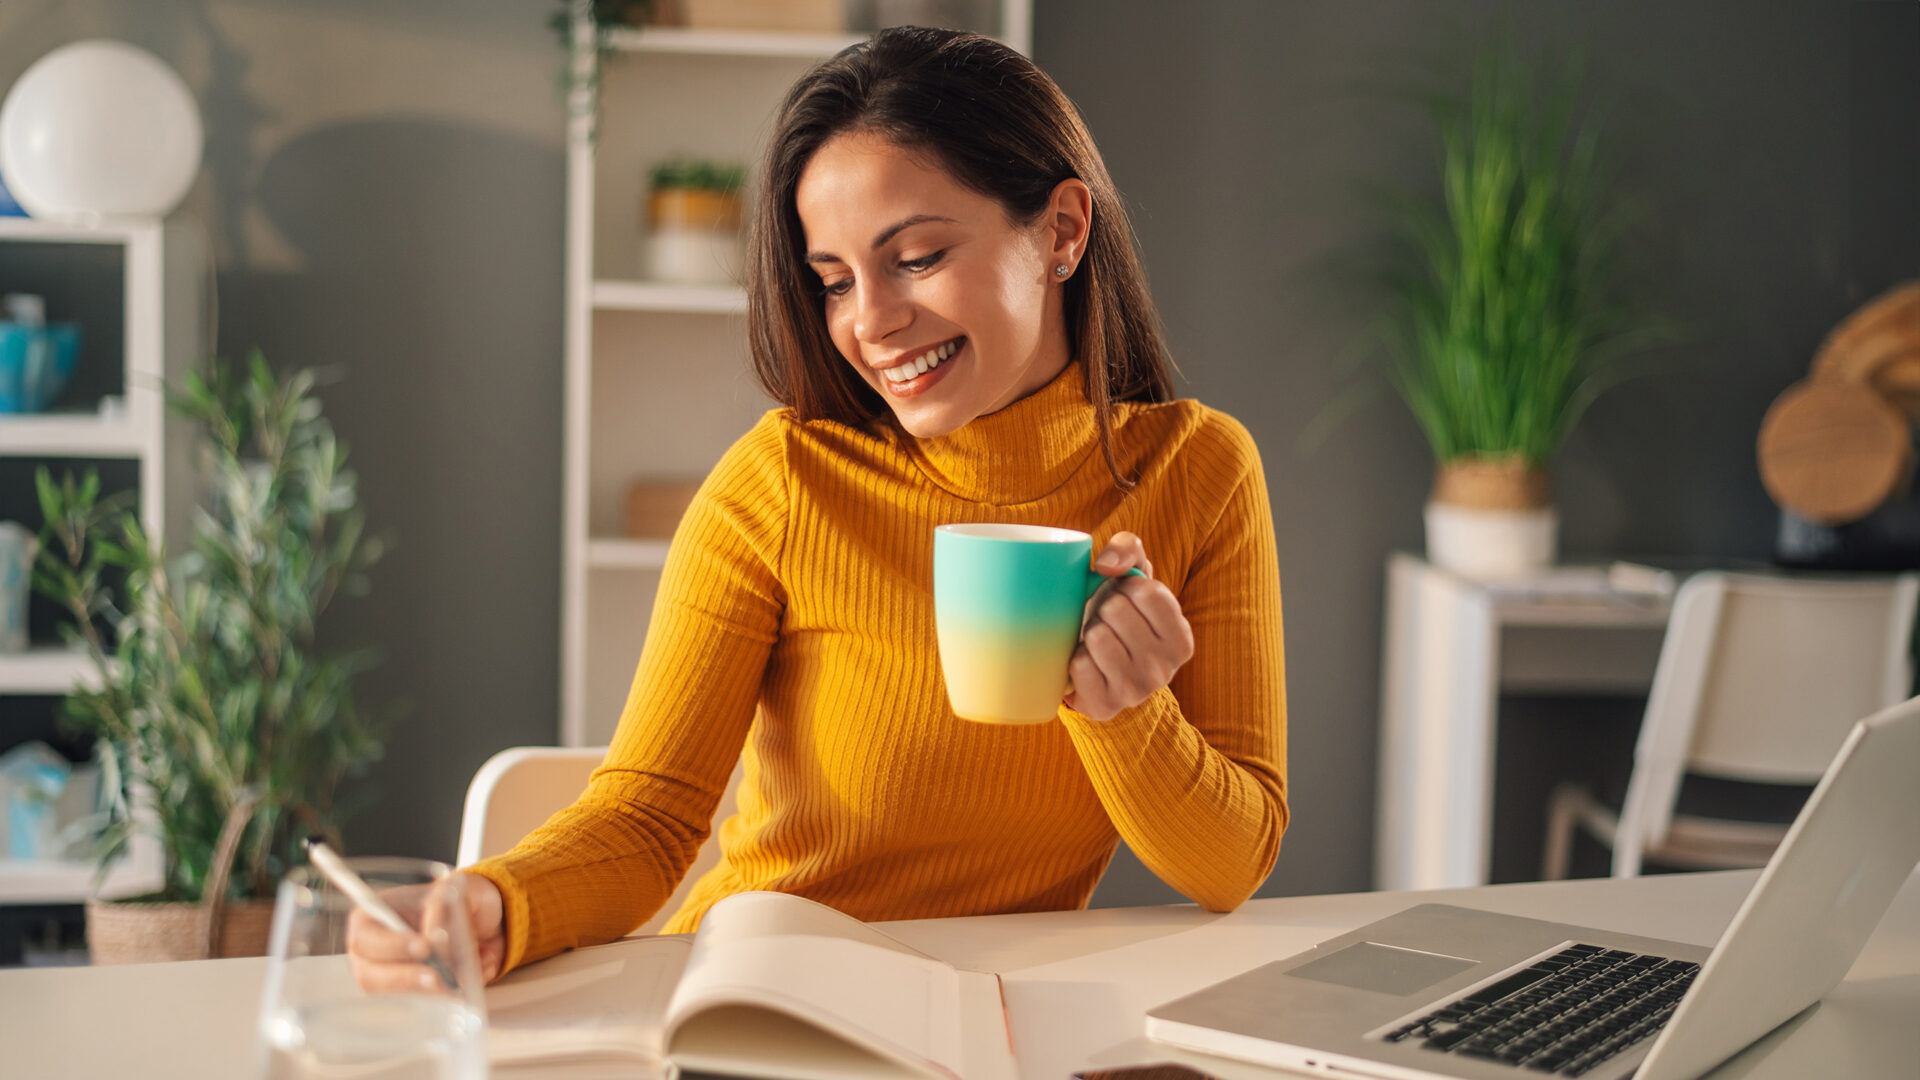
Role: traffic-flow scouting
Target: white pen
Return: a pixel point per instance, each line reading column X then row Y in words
column 337, row 871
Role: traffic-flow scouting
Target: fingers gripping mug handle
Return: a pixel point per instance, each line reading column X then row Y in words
column 1098, row 588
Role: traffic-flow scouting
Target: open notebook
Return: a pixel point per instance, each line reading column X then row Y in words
column 772, row 985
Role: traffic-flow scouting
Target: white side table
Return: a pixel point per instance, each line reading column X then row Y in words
column 1450, row 646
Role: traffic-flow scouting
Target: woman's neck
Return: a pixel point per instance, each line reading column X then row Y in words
column 1020, row 453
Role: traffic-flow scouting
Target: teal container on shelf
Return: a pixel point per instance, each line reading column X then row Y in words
column 35, row 364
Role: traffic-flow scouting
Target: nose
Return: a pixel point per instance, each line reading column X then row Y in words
column 881, row 308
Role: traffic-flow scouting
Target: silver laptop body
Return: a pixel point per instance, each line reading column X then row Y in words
column 1333, row 1007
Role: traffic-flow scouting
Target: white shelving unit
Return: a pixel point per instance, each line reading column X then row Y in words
column 164, row 267
column 46, row 669
column 627, row 554
column 686, row 299
column 657, row 384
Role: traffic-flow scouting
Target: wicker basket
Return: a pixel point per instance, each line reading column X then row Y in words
column 139, row 931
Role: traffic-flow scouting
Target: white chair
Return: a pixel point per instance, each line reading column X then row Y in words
column 519, row 788
column 1759, row 680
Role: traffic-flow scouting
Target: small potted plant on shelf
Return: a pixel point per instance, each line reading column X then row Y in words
column 693, row 219
column 1503, row 318
column 227, row 732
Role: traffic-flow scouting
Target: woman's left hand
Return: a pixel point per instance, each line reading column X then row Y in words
column 1136, row 639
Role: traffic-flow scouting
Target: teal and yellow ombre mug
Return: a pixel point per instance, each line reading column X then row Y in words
column 1007, row 602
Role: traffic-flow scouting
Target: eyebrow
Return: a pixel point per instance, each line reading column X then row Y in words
column 884, row 235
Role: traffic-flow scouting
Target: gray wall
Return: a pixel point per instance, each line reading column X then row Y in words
column 1762, row 139
column 385, row 190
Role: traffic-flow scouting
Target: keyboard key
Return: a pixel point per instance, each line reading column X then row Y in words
column 1447, row 1039
column 1516, row 981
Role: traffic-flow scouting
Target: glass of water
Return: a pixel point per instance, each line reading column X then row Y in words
column 316, row 1023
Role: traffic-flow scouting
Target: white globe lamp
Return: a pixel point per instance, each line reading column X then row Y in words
column 99, row 130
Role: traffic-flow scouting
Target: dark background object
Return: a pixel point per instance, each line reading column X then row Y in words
column 1887, row 539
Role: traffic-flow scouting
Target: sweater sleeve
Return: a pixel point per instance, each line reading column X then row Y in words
column 1194, row 777
column 605, row 864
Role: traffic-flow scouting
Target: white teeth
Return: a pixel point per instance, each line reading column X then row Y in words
column 920, row 365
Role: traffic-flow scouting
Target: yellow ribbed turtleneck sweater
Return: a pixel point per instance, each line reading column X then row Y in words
column 794, row 625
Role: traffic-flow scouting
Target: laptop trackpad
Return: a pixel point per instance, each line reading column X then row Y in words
column 1383, row 968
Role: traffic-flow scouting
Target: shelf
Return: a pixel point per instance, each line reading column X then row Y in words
column 110, row 232
column 46, row 669
column 68, row 881
column 653, row 296
column 673, row 39
column 652, row 384
column 69, row 435
column 613, row 554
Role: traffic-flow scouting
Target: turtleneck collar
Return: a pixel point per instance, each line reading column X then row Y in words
column 1019, row 454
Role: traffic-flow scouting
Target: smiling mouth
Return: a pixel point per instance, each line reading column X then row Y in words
column 925, row 362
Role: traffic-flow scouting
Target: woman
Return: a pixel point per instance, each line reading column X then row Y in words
column 945, row 295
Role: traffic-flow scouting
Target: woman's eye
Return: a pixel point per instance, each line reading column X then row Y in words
column 911, row 266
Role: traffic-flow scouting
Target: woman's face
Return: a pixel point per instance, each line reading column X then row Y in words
column 941, row 304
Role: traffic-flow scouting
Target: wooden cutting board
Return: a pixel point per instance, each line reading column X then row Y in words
column 1879, row 346
column 1831, row 451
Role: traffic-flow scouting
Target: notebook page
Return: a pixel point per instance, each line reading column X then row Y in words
column 771, row 914
column 606, row 1001
column 900, row 1006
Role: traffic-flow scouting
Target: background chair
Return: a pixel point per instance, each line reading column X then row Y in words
column 1759, row 680
column 518, row 789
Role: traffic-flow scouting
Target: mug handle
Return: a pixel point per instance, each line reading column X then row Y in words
column 1098, row 587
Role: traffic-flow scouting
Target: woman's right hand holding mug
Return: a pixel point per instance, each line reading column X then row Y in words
column 386, row 961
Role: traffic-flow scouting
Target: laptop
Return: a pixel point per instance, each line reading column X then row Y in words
column 1442, row 991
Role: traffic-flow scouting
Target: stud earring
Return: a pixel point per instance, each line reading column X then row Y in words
column 1061, row 271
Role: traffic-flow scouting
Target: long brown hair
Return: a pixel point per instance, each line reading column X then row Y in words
column 1000, row 127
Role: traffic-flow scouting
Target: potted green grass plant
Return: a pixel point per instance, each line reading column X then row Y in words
column 227, row 731
column 1504, row 319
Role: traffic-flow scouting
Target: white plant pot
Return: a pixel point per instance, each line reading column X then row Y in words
column 693, row 256
column 1491, row 544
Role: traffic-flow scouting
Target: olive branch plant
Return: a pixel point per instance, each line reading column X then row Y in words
column 211, row 690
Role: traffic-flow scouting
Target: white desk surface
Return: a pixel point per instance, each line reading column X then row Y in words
column 1077, row 983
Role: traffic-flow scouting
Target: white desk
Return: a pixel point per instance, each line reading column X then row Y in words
column 1077, row 983
column 1450, row 646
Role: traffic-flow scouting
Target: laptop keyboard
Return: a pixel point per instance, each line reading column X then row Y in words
column 1564, row 1015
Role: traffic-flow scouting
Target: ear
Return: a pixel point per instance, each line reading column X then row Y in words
column 1069, row 224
